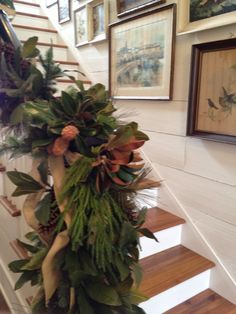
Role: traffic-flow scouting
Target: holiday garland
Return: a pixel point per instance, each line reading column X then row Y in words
column 80, row 193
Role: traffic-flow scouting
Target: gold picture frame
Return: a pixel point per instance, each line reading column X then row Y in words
column 189, row 24
column 125, row 7
column 98, row 17
column 141, row 55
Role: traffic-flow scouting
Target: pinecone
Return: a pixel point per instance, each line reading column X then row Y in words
column 69, row 132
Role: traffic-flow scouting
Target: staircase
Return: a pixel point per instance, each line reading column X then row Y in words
column 175, row 278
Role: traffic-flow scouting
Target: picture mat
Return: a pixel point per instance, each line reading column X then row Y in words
column 217, row 72
column 136, row 35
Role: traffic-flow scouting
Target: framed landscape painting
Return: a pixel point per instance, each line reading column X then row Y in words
column 81, row 26
column 63, row 11
column 212, row 101
column 141, row 55
column 129, row 6
column 97, row 19
column 197, row 15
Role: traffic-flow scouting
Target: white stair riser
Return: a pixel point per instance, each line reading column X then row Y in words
column 27, row 9
column 166, row 300
column 43, row 36
column 60, row 54
column 167, row 238
column 27, row 21
column 9, row 225
column 17, row 299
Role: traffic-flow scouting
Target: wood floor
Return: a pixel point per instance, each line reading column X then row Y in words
column 4, row 309
column 206, row 302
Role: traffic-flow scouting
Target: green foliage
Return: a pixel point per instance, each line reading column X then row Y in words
column 8, row 3
column 42, row 211
column 24, row 182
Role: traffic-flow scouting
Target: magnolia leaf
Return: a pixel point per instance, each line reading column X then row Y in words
column 41, row 143
column 19, row 191
column 98, row 92
column 125, row 176
column 147, row 233
column 16, row 266
column 137, row 271
column 25, row 277
column 103, row 294
column 84, row 303
column 36, row 260
column 17, row 116
column 128, row 235
column 43, row 171
column 122, row 267
column 136, row 297
column 138, row 310
column 142, row 216
column 23, row 180
column 68, row 104
column 80, row 85
column 28, row 247
column 29, row 49
column 42, row 212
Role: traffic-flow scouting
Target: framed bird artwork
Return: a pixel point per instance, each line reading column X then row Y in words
column 212, row 96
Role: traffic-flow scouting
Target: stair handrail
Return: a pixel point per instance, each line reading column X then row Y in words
column 7, row 32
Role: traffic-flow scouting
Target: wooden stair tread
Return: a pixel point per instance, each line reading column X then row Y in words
column 67, row 62
column 4, row 309
column 9, row 206
column 158, row 219
column 32, row 15
column 205, row 302
column 47, row 30
column 19, row 250
column 2, row 168
column 27, row 3
column 168, row 268
column 48, row 45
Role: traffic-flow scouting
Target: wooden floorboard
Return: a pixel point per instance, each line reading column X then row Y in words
column 158, row 219
column 166, row 269
column 205, row 302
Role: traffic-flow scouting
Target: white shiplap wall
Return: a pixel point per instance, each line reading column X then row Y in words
column 199, row 176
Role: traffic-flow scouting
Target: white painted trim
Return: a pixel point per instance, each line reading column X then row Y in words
column 168, row 299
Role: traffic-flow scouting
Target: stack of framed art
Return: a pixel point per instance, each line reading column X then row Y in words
column 141, row 54
column 91, row 22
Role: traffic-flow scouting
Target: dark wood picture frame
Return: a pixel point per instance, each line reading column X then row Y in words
column 136, row 8
column 166, row 72
column 220, row 103
column 50, row 3
column 67, row 17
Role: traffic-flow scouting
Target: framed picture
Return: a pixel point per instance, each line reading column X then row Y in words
column 125, row 7
column 97, row 20
column 197, row 15
column 212, row 99
column 63, row 11
column 141, row 54
column 50, row 3
column 81, row 26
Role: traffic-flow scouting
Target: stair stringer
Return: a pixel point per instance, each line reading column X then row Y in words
column 220, row 281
